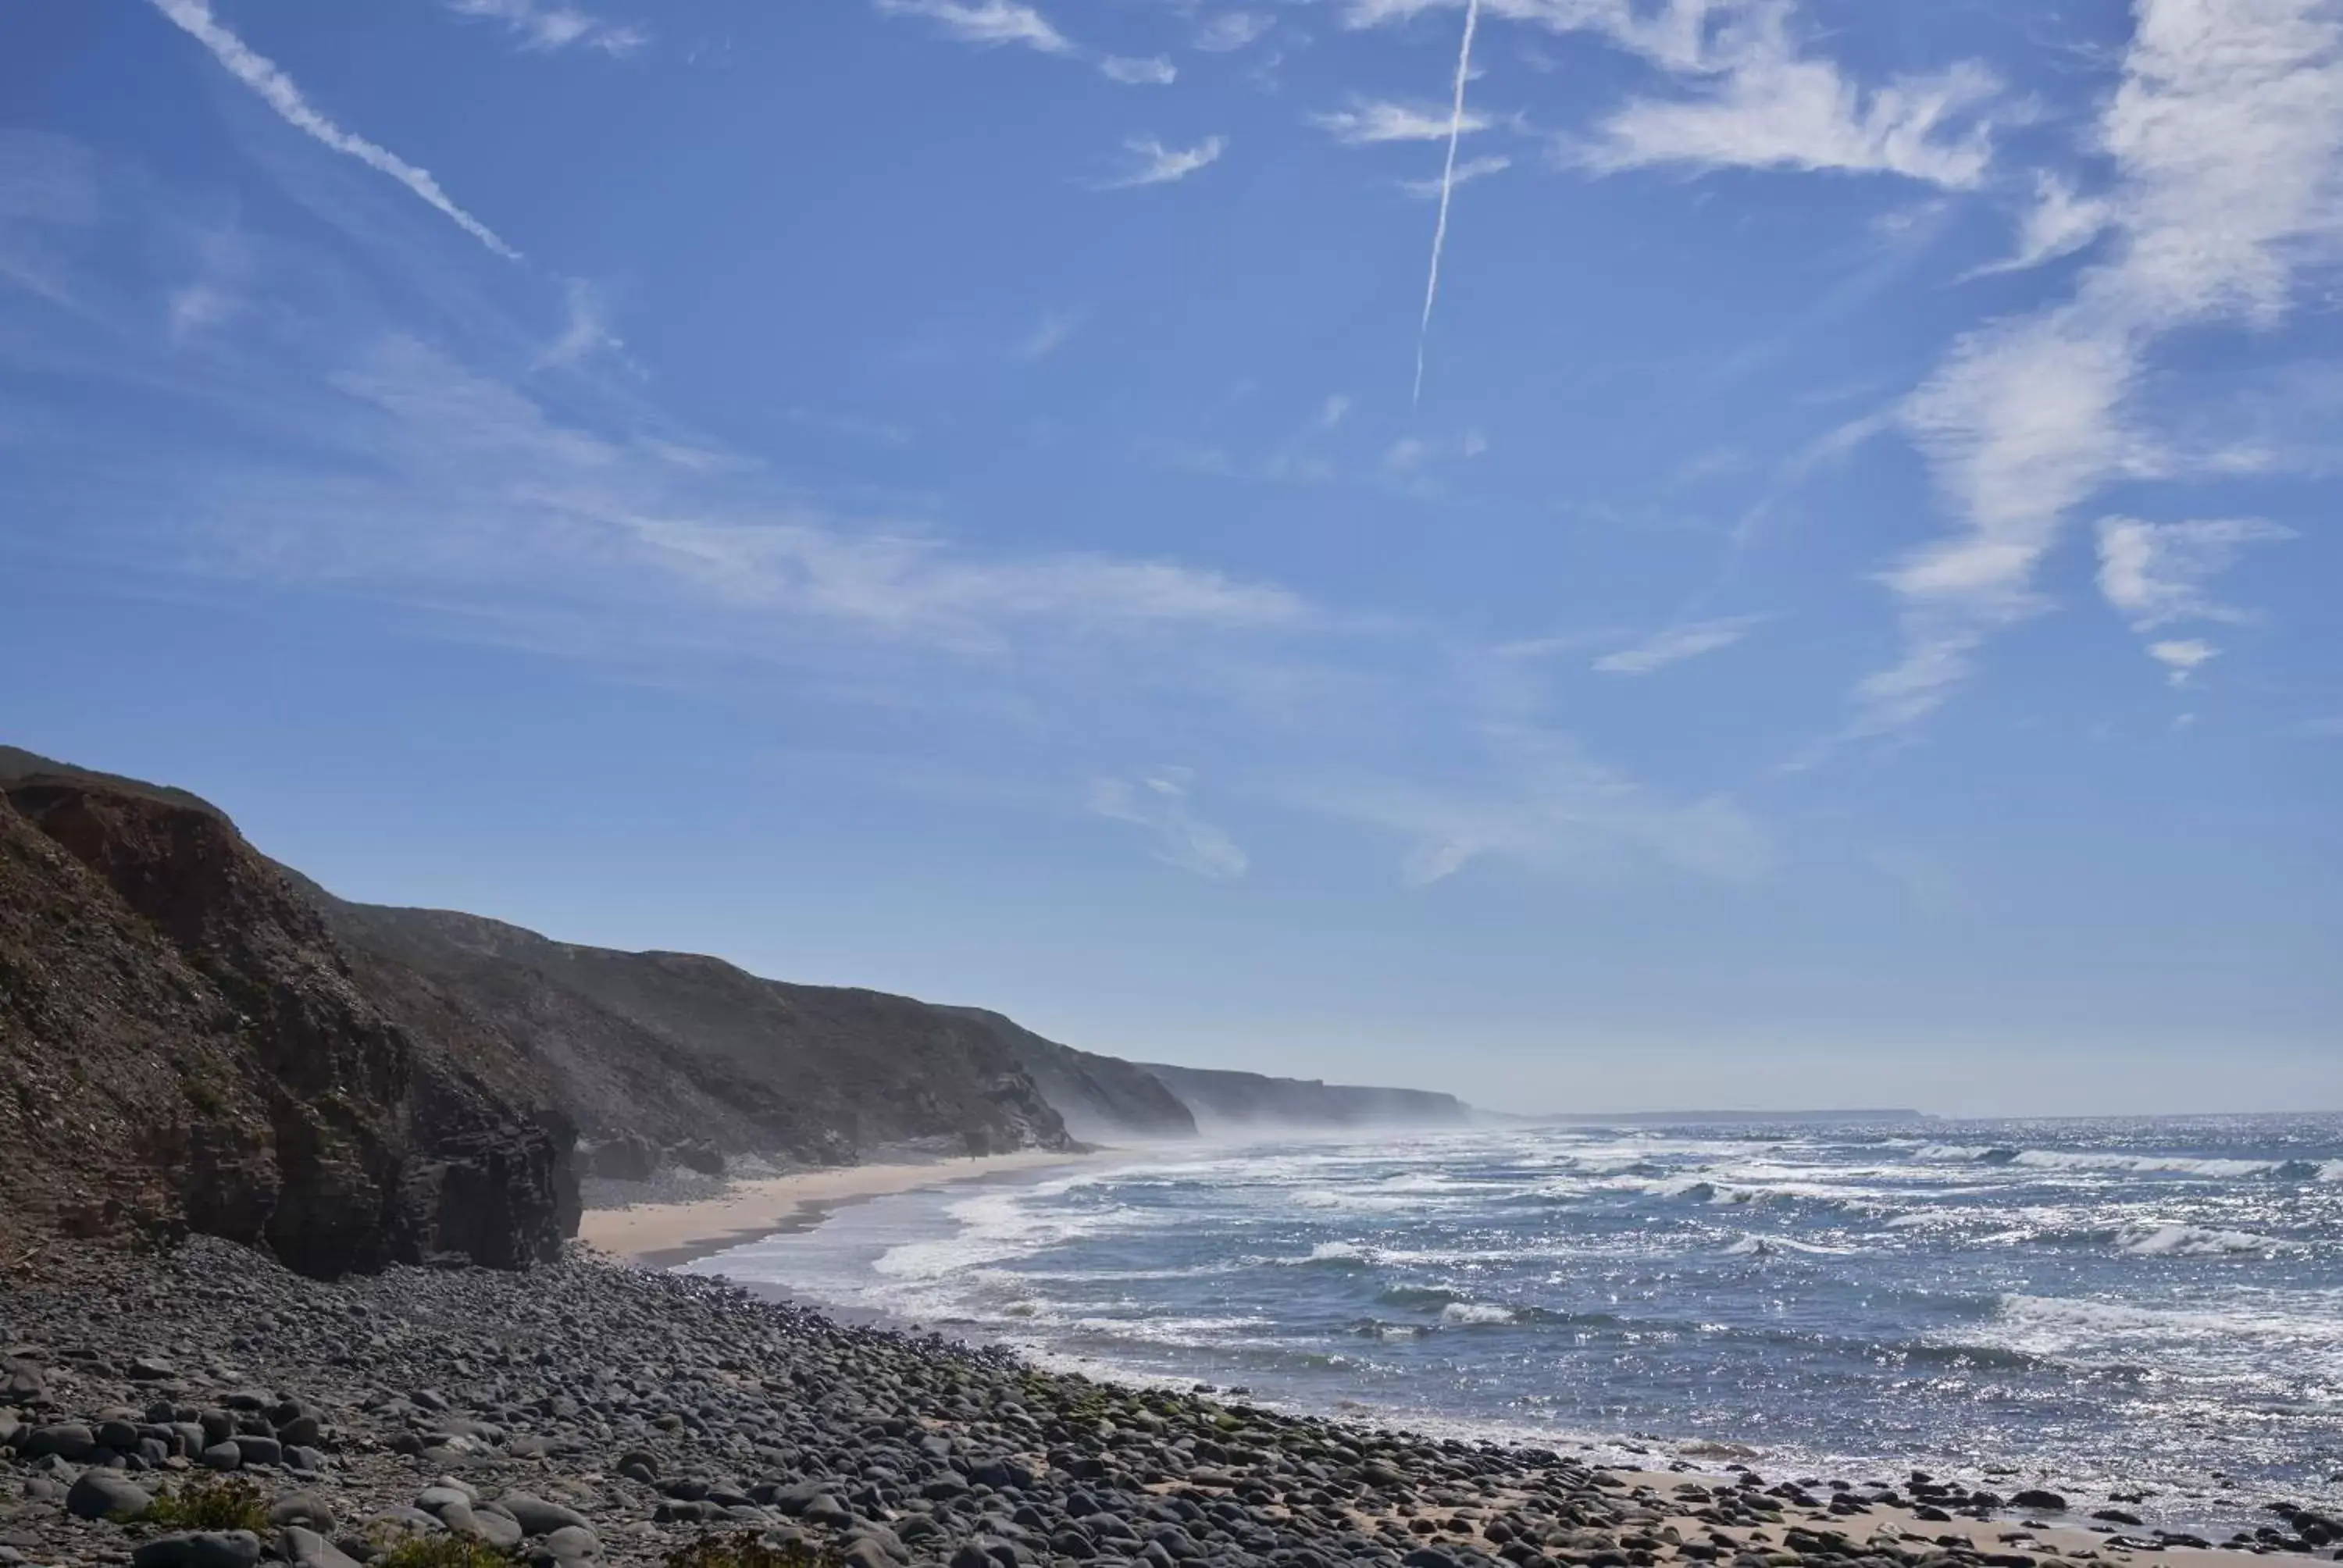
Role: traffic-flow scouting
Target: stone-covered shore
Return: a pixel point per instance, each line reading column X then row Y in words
column 586, row 1413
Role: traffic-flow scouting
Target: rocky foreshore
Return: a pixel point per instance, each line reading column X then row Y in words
column 203, row 1407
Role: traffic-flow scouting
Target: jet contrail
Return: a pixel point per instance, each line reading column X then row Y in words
column 277, row 91
column 1447, row 190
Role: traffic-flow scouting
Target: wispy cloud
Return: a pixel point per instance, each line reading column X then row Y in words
column 1676, row 644
column 1772, row 109
column 1231, row 30
column 1464, row 173
column 1154, row 164
column 1370, row 121
column 1049, row 335
column 1153, row 72
column 2182, row 657
column 1537, row 803
column 2227, row 133
column 1159, row 802
column 1447, row 190
column 585, row 332
column 277, row 90
column 988, row 23
column 2059, row 223
column 557, row 26
column 1746, row 95
column 2156, row 573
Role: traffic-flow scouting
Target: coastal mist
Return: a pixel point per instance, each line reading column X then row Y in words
column 2143, row 1312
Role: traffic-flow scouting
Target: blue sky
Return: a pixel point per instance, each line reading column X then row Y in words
column 936, row 495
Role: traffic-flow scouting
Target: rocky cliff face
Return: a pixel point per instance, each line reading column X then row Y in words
column 680, row 1051
column 184, row 1046
column 1104, row 1098
column 194, row 1037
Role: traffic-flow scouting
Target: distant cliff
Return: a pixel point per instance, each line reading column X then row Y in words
column 1104, row 1098
column 1230, row 1100
column 680, row 1050
column 195, row 1037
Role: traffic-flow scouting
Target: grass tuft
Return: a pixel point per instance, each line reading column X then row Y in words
column 748, row 1550
column 445, row 1551
column 224, row 1504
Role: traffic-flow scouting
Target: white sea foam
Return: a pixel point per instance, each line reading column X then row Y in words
column 2187, row 1241
column 1470, row 1312
column 2211, row 1167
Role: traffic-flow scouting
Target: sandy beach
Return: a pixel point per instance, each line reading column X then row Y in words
column 661, row 1235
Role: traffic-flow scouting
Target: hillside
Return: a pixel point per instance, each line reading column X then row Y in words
column 184, row 1046
column 679, row 1049
column 1224, row 1101
column 195, row 1037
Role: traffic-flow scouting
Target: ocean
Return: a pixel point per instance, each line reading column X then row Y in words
column 2124, row 1309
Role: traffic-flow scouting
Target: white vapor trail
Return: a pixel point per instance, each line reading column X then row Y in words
column 277, row 91
column 1447, row 190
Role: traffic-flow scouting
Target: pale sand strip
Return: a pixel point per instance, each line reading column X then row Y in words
column 663, row 1234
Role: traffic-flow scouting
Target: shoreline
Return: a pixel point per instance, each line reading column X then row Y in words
column 662, row 1235
column 611, row 1415
column 801, row 1202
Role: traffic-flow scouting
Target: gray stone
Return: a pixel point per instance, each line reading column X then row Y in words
column 258, row 1450
column 200, row 1549
column 306, row 1549
column 106, row 1494
column 570, row 1544
column 303, row 1508
column 413, row 1521
column 492, row 1524
column 536, row 1516
column 222, row 1456
column 438, row 1498
column 68, row 1440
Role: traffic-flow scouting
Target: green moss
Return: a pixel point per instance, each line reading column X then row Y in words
column 445, row 1551
column 224, row 1504
column 747, row 1550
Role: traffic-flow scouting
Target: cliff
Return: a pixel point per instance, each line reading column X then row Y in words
column 193, row 1037
column 1227, row 1101
column 1104, row 1098
column 184, row 1046
column 682, row 1050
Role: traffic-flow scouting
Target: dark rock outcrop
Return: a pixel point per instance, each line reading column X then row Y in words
column 183, row 1045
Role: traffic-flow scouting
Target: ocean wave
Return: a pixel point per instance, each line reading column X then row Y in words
column 2210, row 1167
column 2187, row 1241
column 1475, row 1313
column 1762, row 1246
column 1421, row 1296
column 1337, row 1253
column 1357, row 1202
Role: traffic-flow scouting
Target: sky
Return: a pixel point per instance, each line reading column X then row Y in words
column 1592, row 554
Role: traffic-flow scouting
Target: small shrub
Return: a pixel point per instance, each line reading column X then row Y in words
column 227, row 1504
column 445, row 1551
column 748, row 1550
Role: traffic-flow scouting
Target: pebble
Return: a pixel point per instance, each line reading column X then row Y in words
column 200, row 1549
column 594, row 1416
